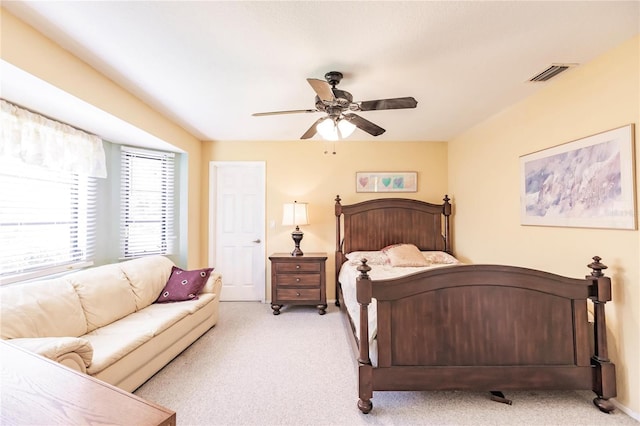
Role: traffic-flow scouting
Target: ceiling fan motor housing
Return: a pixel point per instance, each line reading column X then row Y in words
column 333, row 78
column 342, row 99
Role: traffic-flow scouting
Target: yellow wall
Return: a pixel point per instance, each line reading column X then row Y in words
column 30, row 51
column 300, row 171
column 484, row 182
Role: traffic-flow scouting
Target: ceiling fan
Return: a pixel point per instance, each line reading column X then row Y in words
column 341, row 121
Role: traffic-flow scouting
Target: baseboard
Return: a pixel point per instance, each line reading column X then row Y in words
column 626, row 410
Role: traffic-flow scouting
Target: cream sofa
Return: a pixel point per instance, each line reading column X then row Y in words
column 103, row 320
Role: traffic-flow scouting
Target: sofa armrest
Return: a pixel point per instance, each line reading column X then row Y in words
column 74, row 352
column 214, row 284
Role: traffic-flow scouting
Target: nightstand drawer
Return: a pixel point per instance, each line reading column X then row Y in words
column 306, row 280
column 291, row 294
column 287, row 267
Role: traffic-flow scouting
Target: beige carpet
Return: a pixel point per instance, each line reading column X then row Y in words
column 254, row 368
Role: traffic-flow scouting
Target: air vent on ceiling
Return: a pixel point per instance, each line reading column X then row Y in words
column 551, row 72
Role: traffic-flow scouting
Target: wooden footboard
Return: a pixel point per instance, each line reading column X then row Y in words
column 485, row 327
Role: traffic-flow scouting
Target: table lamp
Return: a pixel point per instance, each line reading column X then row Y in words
column 295, row 214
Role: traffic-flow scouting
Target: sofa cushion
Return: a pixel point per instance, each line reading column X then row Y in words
column 147, row 277
column 114, row 341
column 184, row 285
column 105, row 294
column 162, row 315
column 110, row 345
column 48, row 308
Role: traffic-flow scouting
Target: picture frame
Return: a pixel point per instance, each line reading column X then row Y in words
column 386, row 181
column 586, row 183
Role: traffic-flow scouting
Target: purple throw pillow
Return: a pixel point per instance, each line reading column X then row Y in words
column 184, row 285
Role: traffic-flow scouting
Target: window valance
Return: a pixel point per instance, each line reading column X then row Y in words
column 36, row 140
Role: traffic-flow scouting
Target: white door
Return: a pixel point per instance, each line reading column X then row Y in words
column 237, row 228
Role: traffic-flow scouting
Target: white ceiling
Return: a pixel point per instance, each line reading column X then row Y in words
column 208, row 65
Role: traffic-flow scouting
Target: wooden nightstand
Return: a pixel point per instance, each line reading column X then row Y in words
column 298, row 280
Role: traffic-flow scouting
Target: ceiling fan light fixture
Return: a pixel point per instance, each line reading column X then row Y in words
column 327, row 129
column 345, row 128
column 331, row 131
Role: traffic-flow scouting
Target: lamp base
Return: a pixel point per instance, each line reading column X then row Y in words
column 297, row 237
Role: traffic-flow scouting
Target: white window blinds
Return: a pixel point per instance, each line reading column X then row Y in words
column 47, row 221
column 47, row 194
column 147, row 202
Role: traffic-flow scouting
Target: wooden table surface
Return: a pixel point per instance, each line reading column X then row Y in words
column 37, row 391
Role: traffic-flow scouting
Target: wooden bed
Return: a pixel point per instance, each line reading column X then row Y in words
column 492, row 328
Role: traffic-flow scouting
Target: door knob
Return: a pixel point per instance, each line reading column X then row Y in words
column 257, row 241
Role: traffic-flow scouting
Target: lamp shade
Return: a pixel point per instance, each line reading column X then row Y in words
column 295, row 214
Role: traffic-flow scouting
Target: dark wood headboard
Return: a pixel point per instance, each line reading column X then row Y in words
column 374, row 224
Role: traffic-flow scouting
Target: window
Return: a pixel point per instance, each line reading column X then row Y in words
column 47, row 221
column 48, row 174
column 147, row 202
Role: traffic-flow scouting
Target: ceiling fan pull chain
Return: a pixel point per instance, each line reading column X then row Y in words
column 327, row 146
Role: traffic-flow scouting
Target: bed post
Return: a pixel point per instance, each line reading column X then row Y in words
column 604, row 377
column 338, row 252
column 446, row 211
column 365, row 370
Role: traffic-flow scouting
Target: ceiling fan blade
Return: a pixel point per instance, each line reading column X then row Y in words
column 293, row 111
column 364, row 124
column 312, row 130
column 394, row 103
column 322, row 89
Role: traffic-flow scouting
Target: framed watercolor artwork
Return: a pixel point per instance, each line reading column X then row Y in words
column 386, row 181
column 585, row 183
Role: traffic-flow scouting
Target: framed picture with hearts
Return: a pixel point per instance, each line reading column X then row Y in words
column 386, row 181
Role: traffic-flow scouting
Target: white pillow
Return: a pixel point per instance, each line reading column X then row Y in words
column 373, row 257
column 405, row 255
column 439, row 257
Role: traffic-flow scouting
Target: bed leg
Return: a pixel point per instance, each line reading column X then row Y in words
column 604, row 384
column 365, row 406
column 365, row 387
column 604, row 405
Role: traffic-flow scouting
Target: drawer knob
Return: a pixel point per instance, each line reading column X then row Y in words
column 297, row 266
column 297, row 280
column 297, row 294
